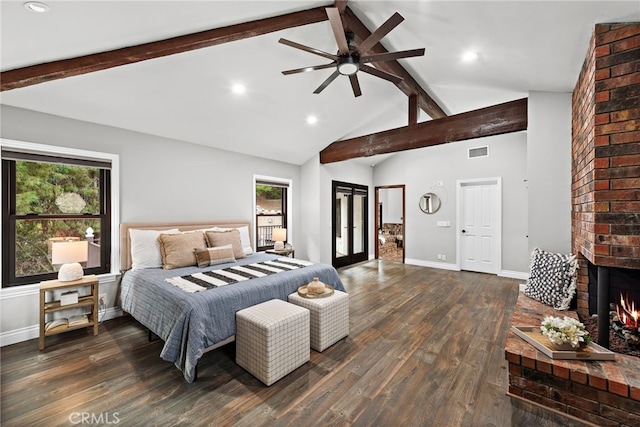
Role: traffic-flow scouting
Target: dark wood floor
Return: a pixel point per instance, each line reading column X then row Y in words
column 426, row 348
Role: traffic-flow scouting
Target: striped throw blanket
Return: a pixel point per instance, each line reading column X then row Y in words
column 213, row 279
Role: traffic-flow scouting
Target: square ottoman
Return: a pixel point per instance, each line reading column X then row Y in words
column 272, row 339
column 329, row 318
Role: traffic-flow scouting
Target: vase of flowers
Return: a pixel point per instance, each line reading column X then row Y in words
column 564, row 334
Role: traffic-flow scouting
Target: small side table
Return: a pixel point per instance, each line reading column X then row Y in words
column 291, row 253
column 89, row 301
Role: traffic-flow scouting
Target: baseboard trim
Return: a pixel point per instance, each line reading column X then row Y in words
column 33, row 332
column 514, row 274
column 432, row 264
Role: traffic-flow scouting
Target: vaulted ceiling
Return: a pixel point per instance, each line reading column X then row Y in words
column 522, row 46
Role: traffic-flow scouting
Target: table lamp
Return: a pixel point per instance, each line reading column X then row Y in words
column 70, row 254
column 279, row 236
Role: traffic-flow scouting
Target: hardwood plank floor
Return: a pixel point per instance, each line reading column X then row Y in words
column 426, row 348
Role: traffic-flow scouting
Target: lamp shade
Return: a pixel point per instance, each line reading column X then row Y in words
column 279, row 234
column 70, row 254
column 71, row 251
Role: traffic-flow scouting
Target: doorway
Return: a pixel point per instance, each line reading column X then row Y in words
column 480, row 225
column 390, row 222
column 350, row 223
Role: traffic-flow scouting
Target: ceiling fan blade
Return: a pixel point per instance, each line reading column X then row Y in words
column 379, row 33
column 305, row 69
column 338, row 30
column 388, row 56
column 324, row 84
column 382, row 74
column 355, row 85
column 308, row 49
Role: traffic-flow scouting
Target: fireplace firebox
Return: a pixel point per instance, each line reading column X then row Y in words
column 607, row 285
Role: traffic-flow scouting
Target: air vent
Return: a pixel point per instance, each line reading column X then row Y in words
column 478, row 152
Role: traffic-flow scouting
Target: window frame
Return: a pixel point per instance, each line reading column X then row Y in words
column 111, row 192
column 287, row 184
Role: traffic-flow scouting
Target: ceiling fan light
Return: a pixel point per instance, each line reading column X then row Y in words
column 348, row 66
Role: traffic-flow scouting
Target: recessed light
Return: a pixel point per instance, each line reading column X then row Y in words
column 312, row 120
column 37, row 7
column 239, row 89
column 470, row 56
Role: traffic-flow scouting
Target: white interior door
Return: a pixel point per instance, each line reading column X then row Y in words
column 479, row 225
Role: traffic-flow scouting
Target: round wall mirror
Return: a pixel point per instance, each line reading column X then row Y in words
column 429, row 203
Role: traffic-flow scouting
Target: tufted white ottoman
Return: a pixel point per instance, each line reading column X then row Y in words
column 272, row 339
column 329, row 318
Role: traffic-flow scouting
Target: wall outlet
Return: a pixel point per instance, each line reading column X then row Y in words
column 439, row 256
column 444, row 257
column 102, row 299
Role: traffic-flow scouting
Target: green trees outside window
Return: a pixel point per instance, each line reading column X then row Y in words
column 47, row 202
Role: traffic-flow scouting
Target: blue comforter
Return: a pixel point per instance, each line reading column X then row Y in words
column 188, row 323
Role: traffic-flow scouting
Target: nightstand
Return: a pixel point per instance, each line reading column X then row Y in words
column 90, row 301
column 291, row 253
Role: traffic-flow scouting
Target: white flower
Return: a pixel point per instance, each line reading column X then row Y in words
column 561, row 331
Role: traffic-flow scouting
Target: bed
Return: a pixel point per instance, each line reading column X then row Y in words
column 191, row 323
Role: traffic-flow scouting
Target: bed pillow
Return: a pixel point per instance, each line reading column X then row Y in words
column 552, row 279
column 229, row 237
column 145, row 247
column 212, row 256
column 244, row 238
column 178, row 250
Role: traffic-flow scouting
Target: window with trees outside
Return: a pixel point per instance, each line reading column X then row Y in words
column 271, row 211
column 48, row 199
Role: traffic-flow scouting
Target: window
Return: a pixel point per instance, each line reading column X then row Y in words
column 49, row 197
column 271, row 197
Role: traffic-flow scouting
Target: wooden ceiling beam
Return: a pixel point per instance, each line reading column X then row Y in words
column 495, row 120
column 408, row 85
column 27, row 76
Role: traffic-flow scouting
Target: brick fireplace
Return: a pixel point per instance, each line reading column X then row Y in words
column 605, row 221
column 606, row 157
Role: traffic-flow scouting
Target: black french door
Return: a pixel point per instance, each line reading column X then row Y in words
column 350, row 223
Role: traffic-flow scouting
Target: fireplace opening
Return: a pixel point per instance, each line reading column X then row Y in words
column 617, row 314
column 623, row 281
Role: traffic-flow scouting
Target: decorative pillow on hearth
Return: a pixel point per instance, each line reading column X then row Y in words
column 552, row 279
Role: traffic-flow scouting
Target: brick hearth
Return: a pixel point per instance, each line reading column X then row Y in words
column 605, row 393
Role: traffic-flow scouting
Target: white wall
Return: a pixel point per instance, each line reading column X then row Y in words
column 310, row 246
column 549, row 171
column 160, row 180
column 421, row 170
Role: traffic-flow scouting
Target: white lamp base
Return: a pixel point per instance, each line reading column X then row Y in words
column 278, row 246
column 70, row 272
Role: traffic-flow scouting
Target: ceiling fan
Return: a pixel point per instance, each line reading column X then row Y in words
column 350, row 59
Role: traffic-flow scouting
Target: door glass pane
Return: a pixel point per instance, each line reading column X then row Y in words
column 359, row 203
column 342, row 224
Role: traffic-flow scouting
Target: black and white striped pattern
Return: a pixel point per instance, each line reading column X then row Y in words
column 213, row 279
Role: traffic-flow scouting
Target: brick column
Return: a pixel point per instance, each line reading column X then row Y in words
column 606, row 152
